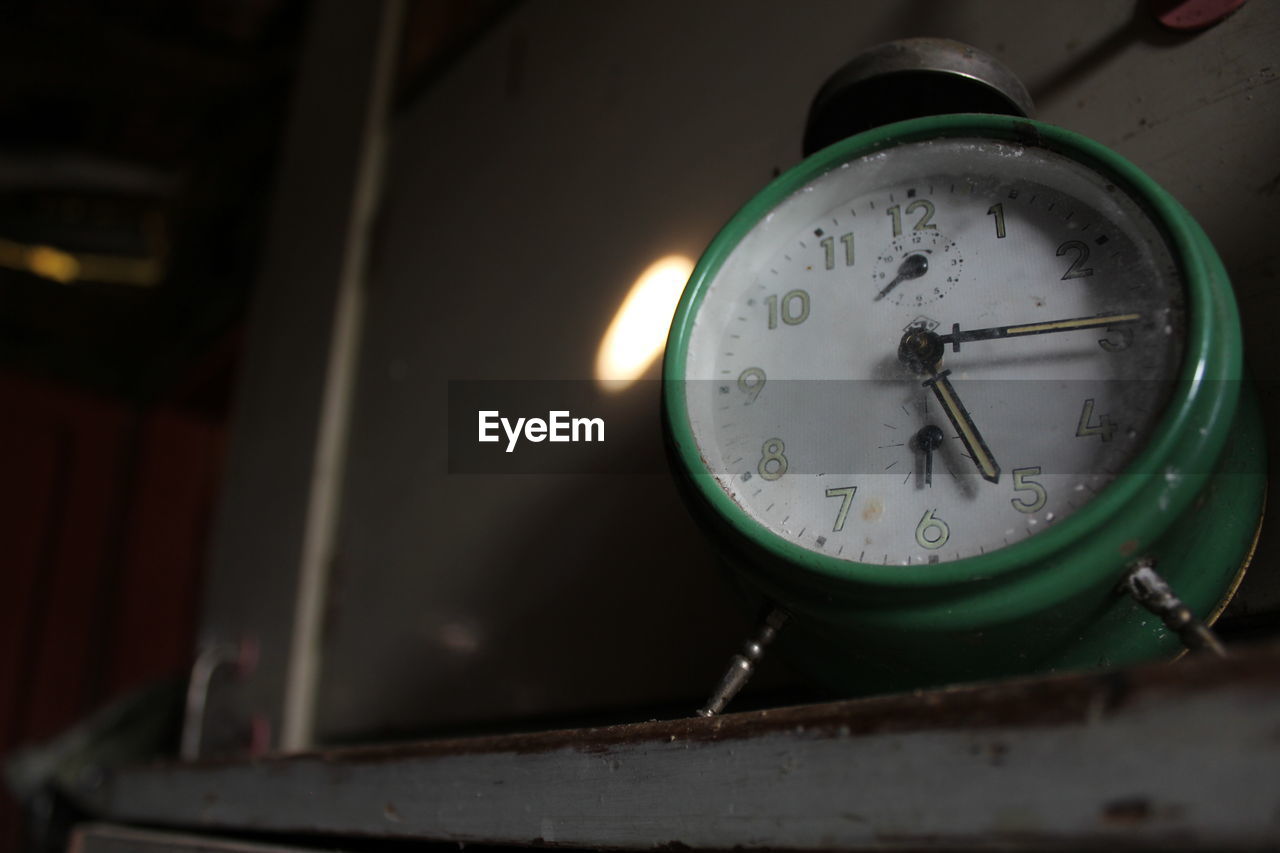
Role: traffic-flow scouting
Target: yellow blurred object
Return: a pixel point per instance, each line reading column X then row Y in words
column 52, row 263
column 65, row 267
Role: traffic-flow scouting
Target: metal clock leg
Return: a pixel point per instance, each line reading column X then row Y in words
column 743, row 664
column 1154, row 593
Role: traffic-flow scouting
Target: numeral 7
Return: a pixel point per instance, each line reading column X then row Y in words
column 847, row 493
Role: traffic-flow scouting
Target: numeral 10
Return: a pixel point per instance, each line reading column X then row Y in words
column 795, row 308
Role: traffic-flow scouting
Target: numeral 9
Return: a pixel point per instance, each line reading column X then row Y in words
column 751, row 382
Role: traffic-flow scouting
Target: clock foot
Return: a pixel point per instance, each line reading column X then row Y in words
column 743, row 664
column 1154, row 593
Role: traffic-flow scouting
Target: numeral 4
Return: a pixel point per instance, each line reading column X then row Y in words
column 1086, row 427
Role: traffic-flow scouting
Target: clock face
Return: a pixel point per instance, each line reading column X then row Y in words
column 934, row 351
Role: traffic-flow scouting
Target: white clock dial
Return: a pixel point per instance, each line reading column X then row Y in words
column 1055, row 302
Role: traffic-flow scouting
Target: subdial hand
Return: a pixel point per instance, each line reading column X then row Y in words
column 912, row 266
column 1100, row 321
column 927, row 440
column 921, row 350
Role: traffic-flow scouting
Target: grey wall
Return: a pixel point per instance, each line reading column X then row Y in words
column 524, row 192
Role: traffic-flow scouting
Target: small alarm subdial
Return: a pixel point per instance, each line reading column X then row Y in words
column 916, row 269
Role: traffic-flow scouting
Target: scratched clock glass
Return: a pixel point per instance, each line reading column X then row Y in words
column 922, row 378
column 1055, row 310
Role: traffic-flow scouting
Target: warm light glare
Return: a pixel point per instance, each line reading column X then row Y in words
column 52, row 263
column 639, row 329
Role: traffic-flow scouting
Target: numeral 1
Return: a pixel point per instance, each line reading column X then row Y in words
column 997, row 210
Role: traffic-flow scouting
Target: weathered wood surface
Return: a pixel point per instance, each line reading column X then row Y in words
column 1185, row 754
column 105, row 838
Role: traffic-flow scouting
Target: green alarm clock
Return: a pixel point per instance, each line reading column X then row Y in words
column 935, row 390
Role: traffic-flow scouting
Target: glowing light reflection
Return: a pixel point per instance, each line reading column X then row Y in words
column 52, row 264
column 638, row 332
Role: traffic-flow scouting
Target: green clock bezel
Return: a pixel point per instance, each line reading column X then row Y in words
column 1123, row 518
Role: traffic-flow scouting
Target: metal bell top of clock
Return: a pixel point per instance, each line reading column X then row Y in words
column 909, row 79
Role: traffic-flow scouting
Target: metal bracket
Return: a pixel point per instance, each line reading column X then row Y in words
column 212, row 657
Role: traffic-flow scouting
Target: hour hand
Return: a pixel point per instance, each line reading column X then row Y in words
column 964, row 425
column 921, row 350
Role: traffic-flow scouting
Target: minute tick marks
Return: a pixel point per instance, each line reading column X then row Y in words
column 823, row 327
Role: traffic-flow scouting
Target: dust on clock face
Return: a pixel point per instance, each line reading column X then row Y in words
column 934, row 352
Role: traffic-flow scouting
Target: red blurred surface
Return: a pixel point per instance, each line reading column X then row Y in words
column 104, row 511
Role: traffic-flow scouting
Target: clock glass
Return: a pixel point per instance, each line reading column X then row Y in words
column 933, row 351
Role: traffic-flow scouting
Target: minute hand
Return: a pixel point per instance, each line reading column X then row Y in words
column 958, row 337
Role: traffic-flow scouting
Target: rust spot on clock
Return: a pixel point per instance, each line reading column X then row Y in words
column 873, row 510
column 1129, row 547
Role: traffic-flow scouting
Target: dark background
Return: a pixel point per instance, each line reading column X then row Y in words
column 147, row 131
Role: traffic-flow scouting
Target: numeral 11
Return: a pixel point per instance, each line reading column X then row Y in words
column 829, row 249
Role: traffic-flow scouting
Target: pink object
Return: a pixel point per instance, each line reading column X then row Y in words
column 1190, row 15
column 259, row 735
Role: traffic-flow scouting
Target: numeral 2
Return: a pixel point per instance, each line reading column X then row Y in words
column 1082, row 254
